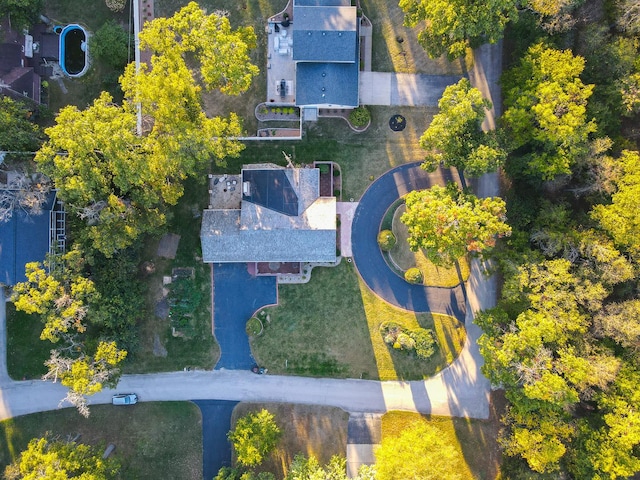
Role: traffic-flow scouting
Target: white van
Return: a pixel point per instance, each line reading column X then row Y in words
column 124, row 399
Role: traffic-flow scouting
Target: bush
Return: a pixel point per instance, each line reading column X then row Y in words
column 424, row 342
column 254, row 327
column 386, row 240
column 324, row 168
column 420, row 341
column 360, row 117
column 110, row 44
column 413, row 275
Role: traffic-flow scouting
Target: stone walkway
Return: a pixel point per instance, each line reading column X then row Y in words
column 364, row 434
column 346, row 210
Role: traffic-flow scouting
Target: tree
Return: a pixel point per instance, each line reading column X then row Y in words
column 545, row 113
column 455, row 136
column 111, row 44
column 17, row 132
column 452, row 26
column 621, row 323
column 619, row 218
column 448, row 223
column 254, row 436
column 303, row 468
column 420, row 452
column 60, row 460
column 21, row 13
column 62, row 297
column 23, row 192
column 119, row 182
column 222, row 53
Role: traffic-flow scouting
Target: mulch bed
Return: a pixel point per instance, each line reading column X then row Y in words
column 397, row 123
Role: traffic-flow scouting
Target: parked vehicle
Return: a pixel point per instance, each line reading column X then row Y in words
column 124, row 399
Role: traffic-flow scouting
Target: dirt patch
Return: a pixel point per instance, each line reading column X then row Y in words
column 168, row 246
column 158, row 347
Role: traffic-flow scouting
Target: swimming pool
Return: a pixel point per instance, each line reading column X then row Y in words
column 74, row 50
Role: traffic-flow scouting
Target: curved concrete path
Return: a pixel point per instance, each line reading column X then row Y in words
column 367, row 255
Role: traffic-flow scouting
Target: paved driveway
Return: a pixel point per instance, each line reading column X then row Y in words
column 216, row 422
column 236, row 296
column 383, row 88
column 367, row 255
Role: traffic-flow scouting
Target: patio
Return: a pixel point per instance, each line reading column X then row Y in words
column 281, row 70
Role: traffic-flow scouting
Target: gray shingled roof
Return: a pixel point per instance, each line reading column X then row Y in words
column 334, row 84
column 256, row 233
column 321, row 3
column 325, row 34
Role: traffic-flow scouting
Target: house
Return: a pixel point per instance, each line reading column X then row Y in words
column 28, row 237
column 24, row 59
column 314, row 56
column 279, row 216
column 326, row 53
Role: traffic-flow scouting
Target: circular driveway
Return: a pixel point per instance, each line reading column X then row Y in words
column 367, row 255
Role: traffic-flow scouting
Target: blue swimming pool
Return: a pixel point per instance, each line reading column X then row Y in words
column 73, row 50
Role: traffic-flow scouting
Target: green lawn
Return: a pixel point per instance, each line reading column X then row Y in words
column 153, row 440
column 330, row 327
column 26, row 353
column 475, row 439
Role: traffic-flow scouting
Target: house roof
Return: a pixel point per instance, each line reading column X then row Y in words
column 23, row 239
column 325, row 34
column 10, row 56
column 258, row 233
column 322, row 3
column 327, row 84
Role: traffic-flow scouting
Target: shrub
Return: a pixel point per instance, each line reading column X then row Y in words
column 336, row 193
column 420, row 341
column 324, row 168
column 336, row 172
column 404, row 342
column 424, row 342
column 254, row 327
column 386, row 240
column 110, row 44
column 413, row 275
column 359, row 117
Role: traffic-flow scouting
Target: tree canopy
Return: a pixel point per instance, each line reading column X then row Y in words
column 620, row 218
column 448, row 223
column 22, row 13
column 62, row 296
column 254, row 436
column 455, row 136
column 120, row 183
column 17, row 132
column 545, row 110
column 452, row 26
column 61, row 460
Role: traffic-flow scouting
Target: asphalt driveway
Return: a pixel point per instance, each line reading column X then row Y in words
column 236, row 296
column 367, row 255
column 216, row 422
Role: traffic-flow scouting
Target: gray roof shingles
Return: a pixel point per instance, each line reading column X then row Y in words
column 327, row 84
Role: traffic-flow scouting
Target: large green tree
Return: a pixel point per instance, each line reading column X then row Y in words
column 62, row 295
column 17, row 132
column 455, row 136
column 620, row 218
column 21, row 13
column 451, row 26
column 254, row 436
column 120, row 183
column 448, row 223
column 545, row 111
column 61, row 460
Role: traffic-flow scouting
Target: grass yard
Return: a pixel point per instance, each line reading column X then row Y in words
column 306, row 429
column 475, row 439
column 330, row 327
column 153, row 440
column 26, row 353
